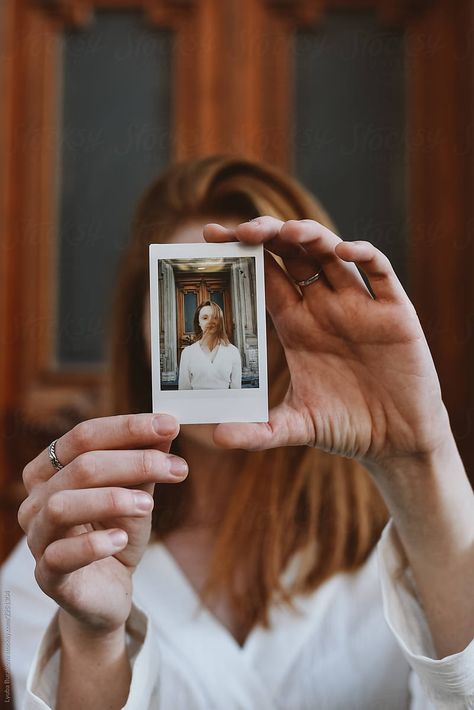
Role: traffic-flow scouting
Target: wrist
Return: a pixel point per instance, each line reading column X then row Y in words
column 426, row 462
column 429, row 498
column 78, row 637
column 94, row 669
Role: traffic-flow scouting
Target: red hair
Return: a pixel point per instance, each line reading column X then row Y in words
column 220, row 336
column 285, row 500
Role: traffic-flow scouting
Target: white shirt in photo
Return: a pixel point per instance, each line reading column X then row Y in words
column 200, row 370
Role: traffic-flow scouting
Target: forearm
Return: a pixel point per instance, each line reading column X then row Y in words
column 94, row 670
column 432, row 506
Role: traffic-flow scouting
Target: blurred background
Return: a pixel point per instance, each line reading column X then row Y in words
column 369, row 103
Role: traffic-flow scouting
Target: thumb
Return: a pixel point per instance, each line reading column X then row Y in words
column 281, row 430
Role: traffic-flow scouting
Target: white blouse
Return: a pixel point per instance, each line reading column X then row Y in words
column 198, row 372
column 359, row 642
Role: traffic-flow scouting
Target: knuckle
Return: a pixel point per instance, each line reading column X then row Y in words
column 51, row 559
column 85, row 467
column 55, row 507
column 82, row 435
column 365, row 243
column 118, row 501
column 138, row 425
column 25, row 512
column 30, row 507
column 24, row 515
column 148, row 463
column 385, row 261
column 290, row 229
column 91, row 546
column 28, row 475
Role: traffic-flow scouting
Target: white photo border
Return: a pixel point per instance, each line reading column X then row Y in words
column 209, row 406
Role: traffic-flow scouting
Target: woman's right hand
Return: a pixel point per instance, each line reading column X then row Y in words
column 88, row 524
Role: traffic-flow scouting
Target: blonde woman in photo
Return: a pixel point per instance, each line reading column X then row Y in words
column 324, row 559
column 212, row 362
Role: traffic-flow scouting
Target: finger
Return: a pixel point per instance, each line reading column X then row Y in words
column 217, row 233
column 64, row 556
column 261, row 230
column 306, row 247
column 285, row 427
column 65, row 509
column 267, row 230
column 126, row 431
column 98, row 469
column 378, row 269
column 280, row 291
column 319, row 244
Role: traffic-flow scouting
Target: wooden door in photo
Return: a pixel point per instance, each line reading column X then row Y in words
column 192, row 290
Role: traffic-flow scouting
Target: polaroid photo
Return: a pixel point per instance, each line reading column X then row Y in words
column 208, row 335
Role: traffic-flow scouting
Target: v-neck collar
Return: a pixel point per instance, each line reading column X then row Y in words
column 190, row 603
column 196, row 635
column 245, row 672
column 205, row 355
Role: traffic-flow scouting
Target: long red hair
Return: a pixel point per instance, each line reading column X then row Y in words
column 220, row 335
column 285, row 500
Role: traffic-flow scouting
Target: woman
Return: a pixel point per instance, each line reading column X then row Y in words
column 260, row 586
column 212, row 362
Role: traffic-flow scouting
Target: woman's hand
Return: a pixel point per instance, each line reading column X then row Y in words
column 88, row 524
column 363, row 383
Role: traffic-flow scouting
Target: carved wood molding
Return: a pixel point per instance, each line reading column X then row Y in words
column 302, row 12
column 69, row 13
column 166, row 12
column 391, row 13
column 80, row 13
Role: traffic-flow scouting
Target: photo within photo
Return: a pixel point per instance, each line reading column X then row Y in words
column 208, row 323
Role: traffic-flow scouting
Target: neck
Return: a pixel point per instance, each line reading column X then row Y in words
column 210, row 341
column 213, row 475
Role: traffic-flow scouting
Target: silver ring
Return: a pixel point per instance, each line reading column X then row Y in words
column 311, row 280
column 52, row 456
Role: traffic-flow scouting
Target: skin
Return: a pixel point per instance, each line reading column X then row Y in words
column 207, row 323
column 363, row 384
column 87, row 531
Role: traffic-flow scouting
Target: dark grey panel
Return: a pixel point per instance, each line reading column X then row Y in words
column 115, row 139
column 349, row 135
column 190, row 305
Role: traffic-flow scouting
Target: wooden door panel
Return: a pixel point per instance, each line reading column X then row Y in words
column 190, row 292
column 232, row 91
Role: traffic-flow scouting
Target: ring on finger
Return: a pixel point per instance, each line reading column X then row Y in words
column 56, row 463
column 311, row 279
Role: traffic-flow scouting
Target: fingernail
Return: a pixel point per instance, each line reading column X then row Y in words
column 118, row 538
column 178, row 467
column 164, row 424
column 142, row 501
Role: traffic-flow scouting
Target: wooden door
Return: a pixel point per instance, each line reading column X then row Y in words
column 232, row 72
column 193, row 289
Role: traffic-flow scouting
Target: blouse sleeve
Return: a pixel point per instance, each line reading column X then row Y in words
column 236, row 374
column 31, row 641
column 143, row 652
column 184, row 382
column 26, row 614
column 446, row 683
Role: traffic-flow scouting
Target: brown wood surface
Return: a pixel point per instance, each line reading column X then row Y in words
column 203, row 287
column 440, row 51
column 232, row 92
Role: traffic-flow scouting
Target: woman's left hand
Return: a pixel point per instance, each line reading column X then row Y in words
column 363, row 385
column 363, row 382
